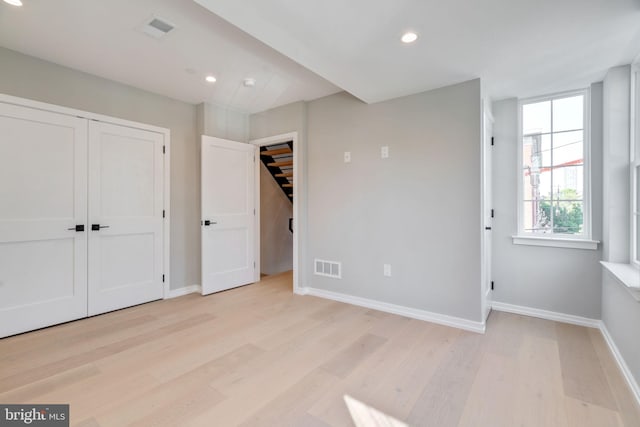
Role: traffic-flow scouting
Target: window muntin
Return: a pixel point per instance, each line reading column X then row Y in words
column 553, row 146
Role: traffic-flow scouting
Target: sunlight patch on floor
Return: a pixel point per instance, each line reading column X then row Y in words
column 366, row 416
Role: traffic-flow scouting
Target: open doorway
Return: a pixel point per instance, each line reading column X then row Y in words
column 277, row 185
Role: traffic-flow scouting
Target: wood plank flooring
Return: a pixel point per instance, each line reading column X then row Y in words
column 261, row 356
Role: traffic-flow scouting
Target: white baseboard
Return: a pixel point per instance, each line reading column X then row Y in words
column 301, row 291
column 626, row 372
column 545, row 314
column 175, row 293
column 413, row 313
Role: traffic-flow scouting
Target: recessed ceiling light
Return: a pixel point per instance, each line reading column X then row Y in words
column 14, row 2
column 210, row 79
column 409, row 37
column 249, row 82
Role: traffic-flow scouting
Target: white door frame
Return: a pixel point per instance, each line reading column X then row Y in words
column 297, row 184
column 485, row 284
column 8, row 99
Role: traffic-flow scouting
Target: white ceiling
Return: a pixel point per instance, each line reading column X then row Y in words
column 518, row 48
column 102, row 37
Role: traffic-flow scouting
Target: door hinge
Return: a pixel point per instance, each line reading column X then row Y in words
column 492, row 141
column 164, row 149
column 163, row 278
column 254, row 265
column 492, row 285
column 164, row 213
column 254, row 211
column 491, row 213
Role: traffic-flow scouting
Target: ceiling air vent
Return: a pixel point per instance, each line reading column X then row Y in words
column 157, row 27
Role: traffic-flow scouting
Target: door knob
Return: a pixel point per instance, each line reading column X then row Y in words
column 208, row 223
column 79, row 227
column 96, row 227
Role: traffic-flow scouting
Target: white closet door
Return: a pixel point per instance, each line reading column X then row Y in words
column 228, row 214
column 43, row 196
column 125, row 217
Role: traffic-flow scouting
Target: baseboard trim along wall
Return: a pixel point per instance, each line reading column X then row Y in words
column 633, row 384
column 581, row 321
column 400, row 310
column 175, row 293
column 545, row 314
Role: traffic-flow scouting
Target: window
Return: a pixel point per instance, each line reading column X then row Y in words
column 554, row 174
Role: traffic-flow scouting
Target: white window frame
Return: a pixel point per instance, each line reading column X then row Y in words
column 581, row 241
column 634, row 163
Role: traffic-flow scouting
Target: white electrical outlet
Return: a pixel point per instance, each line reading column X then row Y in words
column 384, row 152
column 387, row 270
column 347, row 156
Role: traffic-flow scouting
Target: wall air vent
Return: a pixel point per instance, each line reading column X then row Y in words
column 157, row 27
column 328, row 268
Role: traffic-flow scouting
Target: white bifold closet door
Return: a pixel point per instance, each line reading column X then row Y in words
column 81, row 217
column 125, row 217
column 43, row 196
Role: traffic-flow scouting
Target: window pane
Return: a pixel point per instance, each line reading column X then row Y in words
column 536, row 118
column 536, row 185
column 567, row 217
column 536, row 216
column 568, row 183
column 536, row 151
column 568, row 113
column 568, row 148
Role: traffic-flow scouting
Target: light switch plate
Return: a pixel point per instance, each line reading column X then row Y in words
column 387, row 270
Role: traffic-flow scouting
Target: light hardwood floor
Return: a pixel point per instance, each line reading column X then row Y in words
column 261, row 356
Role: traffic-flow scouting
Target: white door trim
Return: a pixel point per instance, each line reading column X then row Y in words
column 486, row 293
column 297, row 180
column 8, row 99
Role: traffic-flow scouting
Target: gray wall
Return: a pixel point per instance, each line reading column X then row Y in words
column 616, row 160
column 620, row 311
column 278, row 121
column 276, row 241
column 418, row 210
column 32, row 78
column 555, row 279
column 213, row 120
column 621, row 316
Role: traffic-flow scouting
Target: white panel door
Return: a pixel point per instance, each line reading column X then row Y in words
column 228, row 214
column 43, row 196
column 125, row 217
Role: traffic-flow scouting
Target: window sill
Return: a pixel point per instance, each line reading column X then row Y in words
column 556, row 242
column 626, row 274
